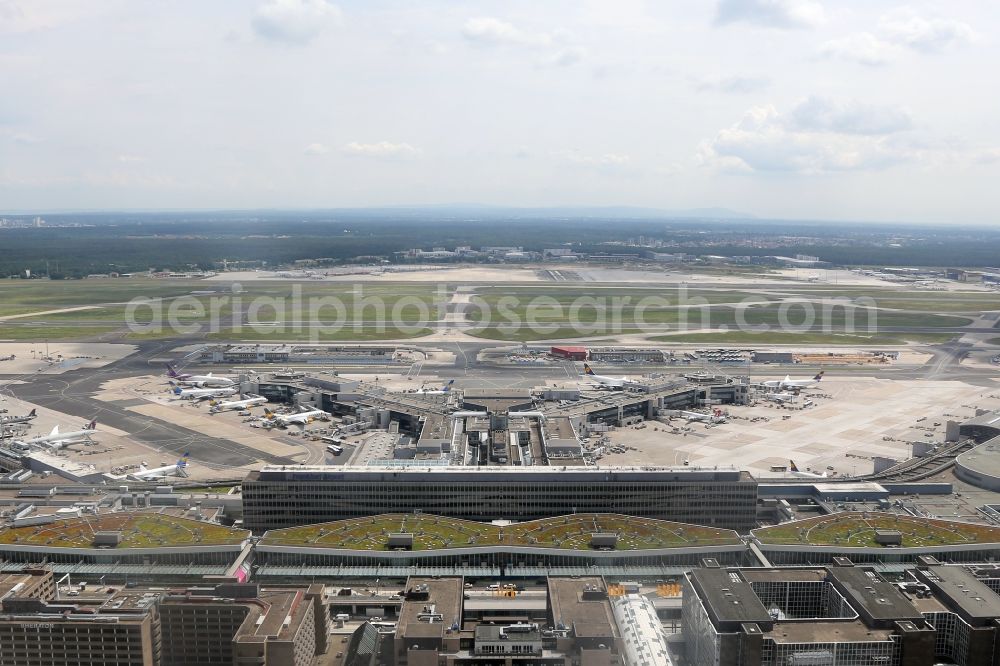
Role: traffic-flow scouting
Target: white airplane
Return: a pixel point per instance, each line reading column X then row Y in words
column 789, row 383
column 780, row 398
column 602, row 381
column 200, row 381
column 443, row 390
column 146, row 474
column 246, row 403
column 56, row 440
column 300, row 418
column 793, row 468
column 11, row 420
column 201, row 393
column 715, row 417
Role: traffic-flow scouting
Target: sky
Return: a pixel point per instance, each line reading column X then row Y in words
column 817, row 109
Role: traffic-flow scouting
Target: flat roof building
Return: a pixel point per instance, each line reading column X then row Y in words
column 275, row 497
column 835, row 615
column 242, row 624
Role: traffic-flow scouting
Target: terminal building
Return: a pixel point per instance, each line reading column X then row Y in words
column 300, row 354
column 981, row 465
column 275, row 496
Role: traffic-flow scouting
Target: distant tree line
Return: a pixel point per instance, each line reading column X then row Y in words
column 128, row 243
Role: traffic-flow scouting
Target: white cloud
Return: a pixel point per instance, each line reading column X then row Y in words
column 566, row 57
column 555, row 47
column 23, row 138
column 489, row 30
column 783, row 14
column 314, row 149
column 294, row 21
column 381, row 149
column 862, row 47
column 989, row 156
column 898, row 30
column 906, row 28
column 130, row 159
column 824, row 115
column 842, row 137
column 735, row 85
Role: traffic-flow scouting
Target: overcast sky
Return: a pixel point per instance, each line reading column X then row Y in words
column 830, row 109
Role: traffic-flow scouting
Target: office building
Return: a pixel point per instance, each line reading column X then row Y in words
column 243, row 624
column 840, row 615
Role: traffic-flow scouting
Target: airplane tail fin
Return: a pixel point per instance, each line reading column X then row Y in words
column 32, row 413
column 55, row 431
column 171, row 372
column 447, row 387
column 177, row 390
column 587, row 370
column 92, row 425
column 793, row 466
column 819, row 376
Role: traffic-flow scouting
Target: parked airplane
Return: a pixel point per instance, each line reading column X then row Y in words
column 780, row 398
column 146, row 474
column 300, row 418
column 198, row 380
column 789, row 383
column 444, row 389
column 11, row 420
column 245, row 403
column 715, row 417
column 793, row 468
column 201, row 393
column 56, row 440
column 602, row 381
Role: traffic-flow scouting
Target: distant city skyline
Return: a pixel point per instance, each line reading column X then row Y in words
column 778, row 108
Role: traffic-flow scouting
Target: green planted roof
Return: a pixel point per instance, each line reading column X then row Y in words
column 853, row 529
column 436, row 532
column 138, row 530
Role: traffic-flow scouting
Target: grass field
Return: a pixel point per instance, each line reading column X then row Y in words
column 779, row 338
column 348, row 333
column 44, row 332
column 553, row 322
column 139, row 530
column 434, row 532
column 912, row 300
column 22, row 296
column 281, row 308
column 855, row 530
